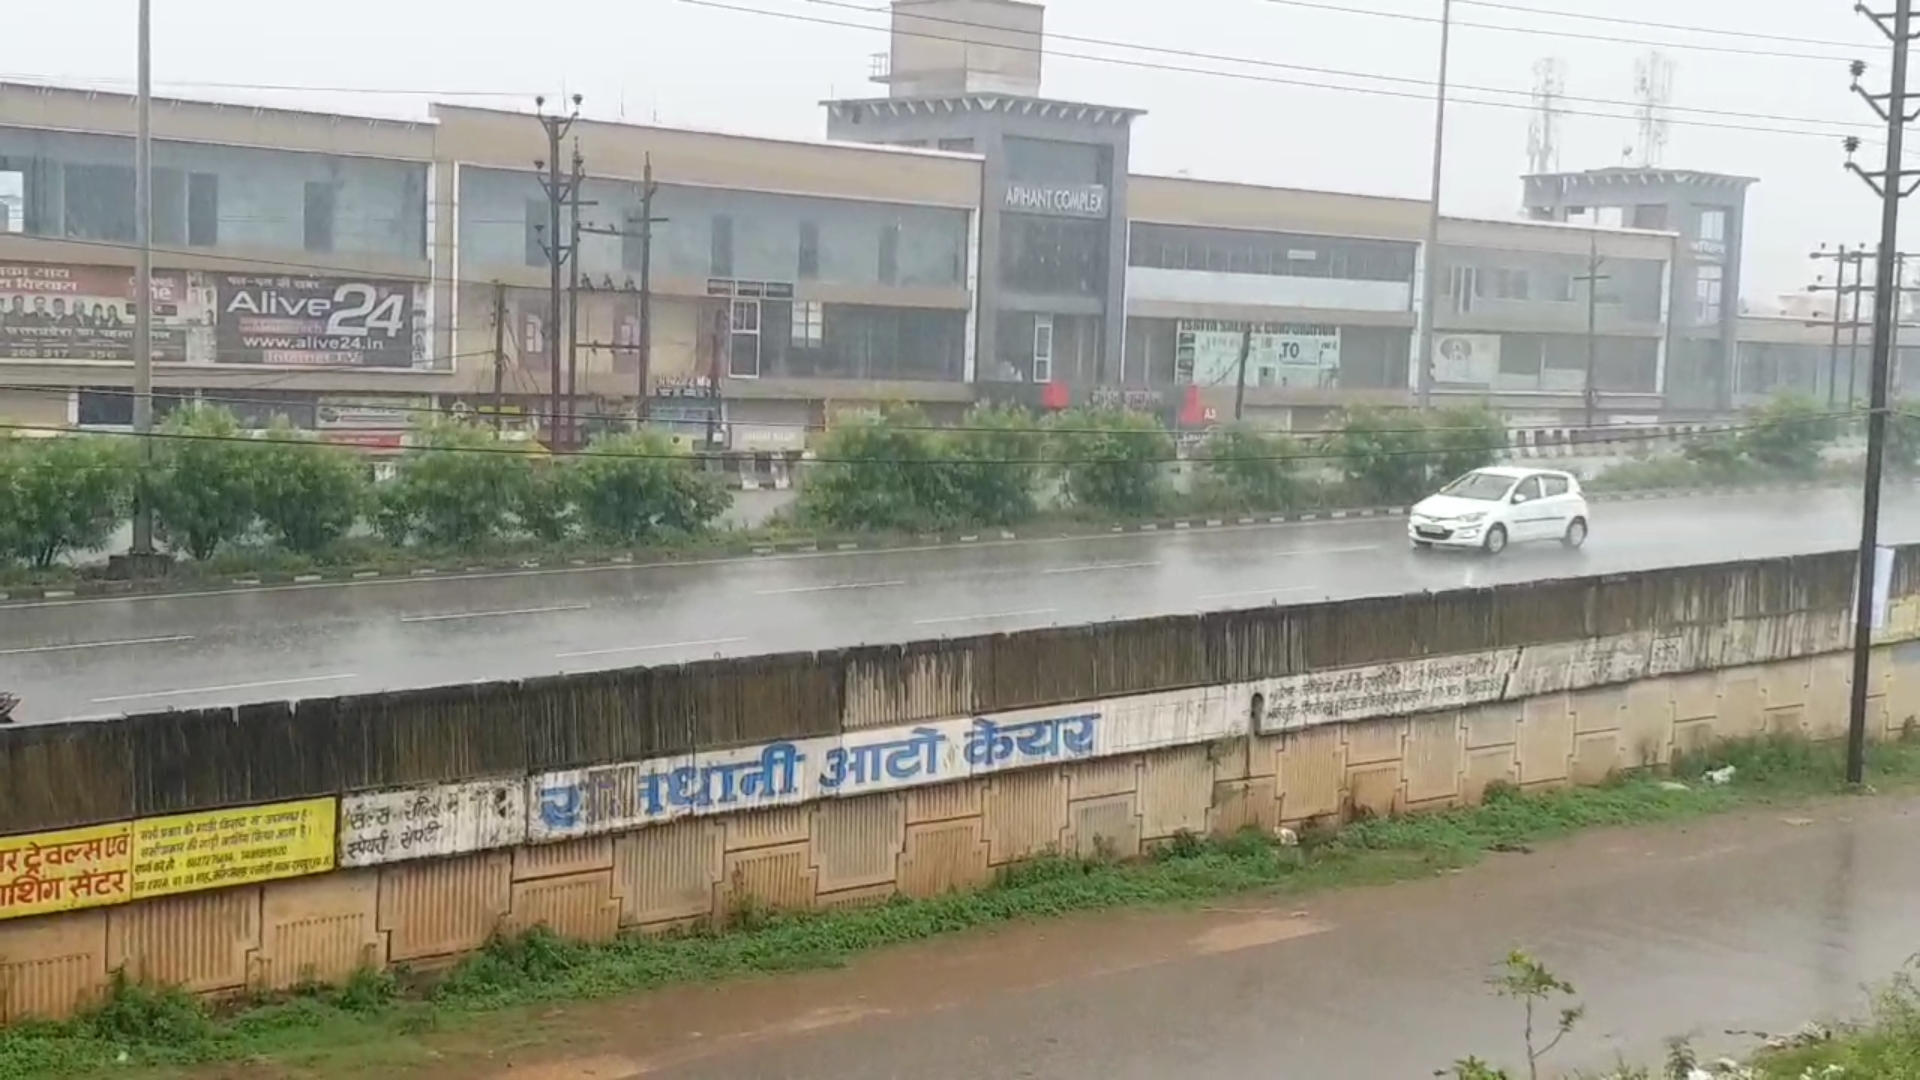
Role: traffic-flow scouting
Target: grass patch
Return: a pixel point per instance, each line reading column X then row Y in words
column 1887, row 1045
column 381, row 1017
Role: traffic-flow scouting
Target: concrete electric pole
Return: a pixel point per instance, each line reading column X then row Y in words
column 1430, row 261
column 1892, row 184
column 1843, row 258
column 643, row 348
column 559, row 191
column 143, row 296
column 1593, row 277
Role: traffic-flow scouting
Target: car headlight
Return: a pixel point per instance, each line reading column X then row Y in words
column 1468, row 519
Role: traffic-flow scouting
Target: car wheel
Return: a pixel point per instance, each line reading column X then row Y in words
column 1496, row 541
column 1576, row 533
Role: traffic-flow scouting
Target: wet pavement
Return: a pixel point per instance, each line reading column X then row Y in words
column 105, row 657
column 1756, row 922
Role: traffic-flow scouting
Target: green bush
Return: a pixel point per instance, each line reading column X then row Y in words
column 1903, row 439
column 1383, row 456
column 633, row 488
column 1463, row 438
column 1112, row 461
column 205, row 477
column 875, row 473
column 544, row 505
column 308, row 495
column 995, row 460
column 1787, row 434
column 1244, row 469
column 64, row 494
column 455, row 489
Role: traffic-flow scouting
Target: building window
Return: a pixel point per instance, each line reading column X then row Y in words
column 720, row 254
column 1053, row 256
column 1713, row 225
column 99, row 202
column 1243, row 251
column 537, row 214
column 169, row 207
column 890, row 253
column 1707, row 284
column 633, row 242
column 1507, row 284
column 318, row 216
column 743, row 339
column 13, row 200
column 809, row 325
column 203, row 210
column 809, row 262
column 1049, row 161
column 1043, row 348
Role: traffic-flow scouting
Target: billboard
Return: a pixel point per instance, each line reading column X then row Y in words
column 305, row 321
column 1282, row 354
column 1466, row 358
column 85, row 313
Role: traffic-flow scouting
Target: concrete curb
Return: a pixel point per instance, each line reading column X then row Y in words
column 454, row 571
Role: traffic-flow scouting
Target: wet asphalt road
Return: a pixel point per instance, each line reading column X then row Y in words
column 1757, row 922
column 107, row 657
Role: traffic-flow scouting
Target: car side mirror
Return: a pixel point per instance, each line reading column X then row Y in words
column 1518, row 498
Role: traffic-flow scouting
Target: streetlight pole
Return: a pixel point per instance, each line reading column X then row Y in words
column 143, row 287
column 1429, row 278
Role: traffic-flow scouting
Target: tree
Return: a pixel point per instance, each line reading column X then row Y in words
column 1384, row 456
column 1112, row 460
column 66, row 494
column 205, row 481
column 455, row 488
column 308, row 495
column 1787, row 434
column 994, row 462
column 633, row 488
column 1463, row 438
column 1247, row 469
column 877, row 473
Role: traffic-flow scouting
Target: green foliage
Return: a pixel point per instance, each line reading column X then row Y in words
column 632, row 488
column 308, row 495
column 544, row 505
column 1244, row 469
column 1384, row 456
column 873, row 473
column 205, row 477
column 1463, row 438
column 996, row 458
column 456, row 488
column 1112, row 461
column 62, row 495
column 898, row 472
column 1903, row 439
column 1787, row 434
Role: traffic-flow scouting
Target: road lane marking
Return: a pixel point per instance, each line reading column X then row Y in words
column 985, row 617
column 648, row 648
column 1091, row 568
column 453, row 615
column 830, row 588
column 190, row 692
column 1275, row 591
column 98, row 644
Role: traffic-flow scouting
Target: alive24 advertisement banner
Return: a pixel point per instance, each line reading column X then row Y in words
column 318, row 322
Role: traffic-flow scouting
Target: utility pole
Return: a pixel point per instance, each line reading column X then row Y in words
column 499, row 348
column 1429, row 278
column 576, row 178
column 557, row 189
column 1593, row 277
column 1892, row 185
column 646, row 222
column 1240, row 378
column 143, row 294
column 1842, row 258
column 1854, row 324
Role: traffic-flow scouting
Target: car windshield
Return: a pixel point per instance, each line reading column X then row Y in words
column 1487, row 487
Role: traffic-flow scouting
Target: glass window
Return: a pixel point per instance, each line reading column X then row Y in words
column 1553, row 485
column 890, row 253
column 1486, row 487
column 809, row 256
column 1055, row 162
column 169, row 207
column 203, row 209
column 1713, row 225
column 1527, row 490
column 1053, row 256
column 99, row 202
column 1707, row 284
column 318, row 216
column 1180, row 247
column 720, row 246
column 809, row 325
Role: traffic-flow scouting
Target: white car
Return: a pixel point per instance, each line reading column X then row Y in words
column 1490, row 508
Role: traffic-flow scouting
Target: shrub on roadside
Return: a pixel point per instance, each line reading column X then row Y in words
column 1244, row 469
column 205, row 480
column 1112, row 461
column 63, row 495
column 456, row 488
column 1382, row 456
column 629, row 489
column 875, row 473
column 308, row 495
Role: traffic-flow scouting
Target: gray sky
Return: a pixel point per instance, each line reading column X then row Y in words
column 691, row 62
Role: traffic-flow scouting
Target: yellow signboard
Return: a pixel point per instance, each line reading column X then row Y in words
column 60, row 871
column 214, row 849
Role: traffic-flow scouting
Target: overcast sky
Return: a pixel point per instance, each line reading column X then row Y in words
column 1221, row 81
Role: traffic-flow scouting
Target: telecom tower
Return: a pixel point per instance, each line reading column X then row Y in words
column 1653, row 88
column 1543, row 131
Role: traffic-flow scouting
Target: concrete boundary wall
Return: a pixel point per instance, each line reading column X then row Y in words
column 248, row 897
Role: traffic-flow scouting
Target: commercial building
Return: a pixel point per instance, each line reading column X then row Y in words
column 960, row 238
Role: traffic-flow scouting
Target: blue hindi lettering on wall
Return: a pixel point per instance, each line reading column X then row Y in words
column 891, row 761
column 639, row 794
column 992, row 745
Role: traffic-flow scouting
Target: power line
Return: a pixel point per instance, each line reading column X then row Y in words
column 1409, row 95
column 1310, row 69
column 702, row 456
column 1616, row 20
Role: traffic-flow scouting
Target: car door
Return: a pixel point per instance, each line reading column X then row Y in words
column 1525, row 509
column 1556, row 505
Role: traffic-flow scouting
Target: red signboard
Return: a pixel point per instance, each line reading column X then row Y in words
column 55, row 312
